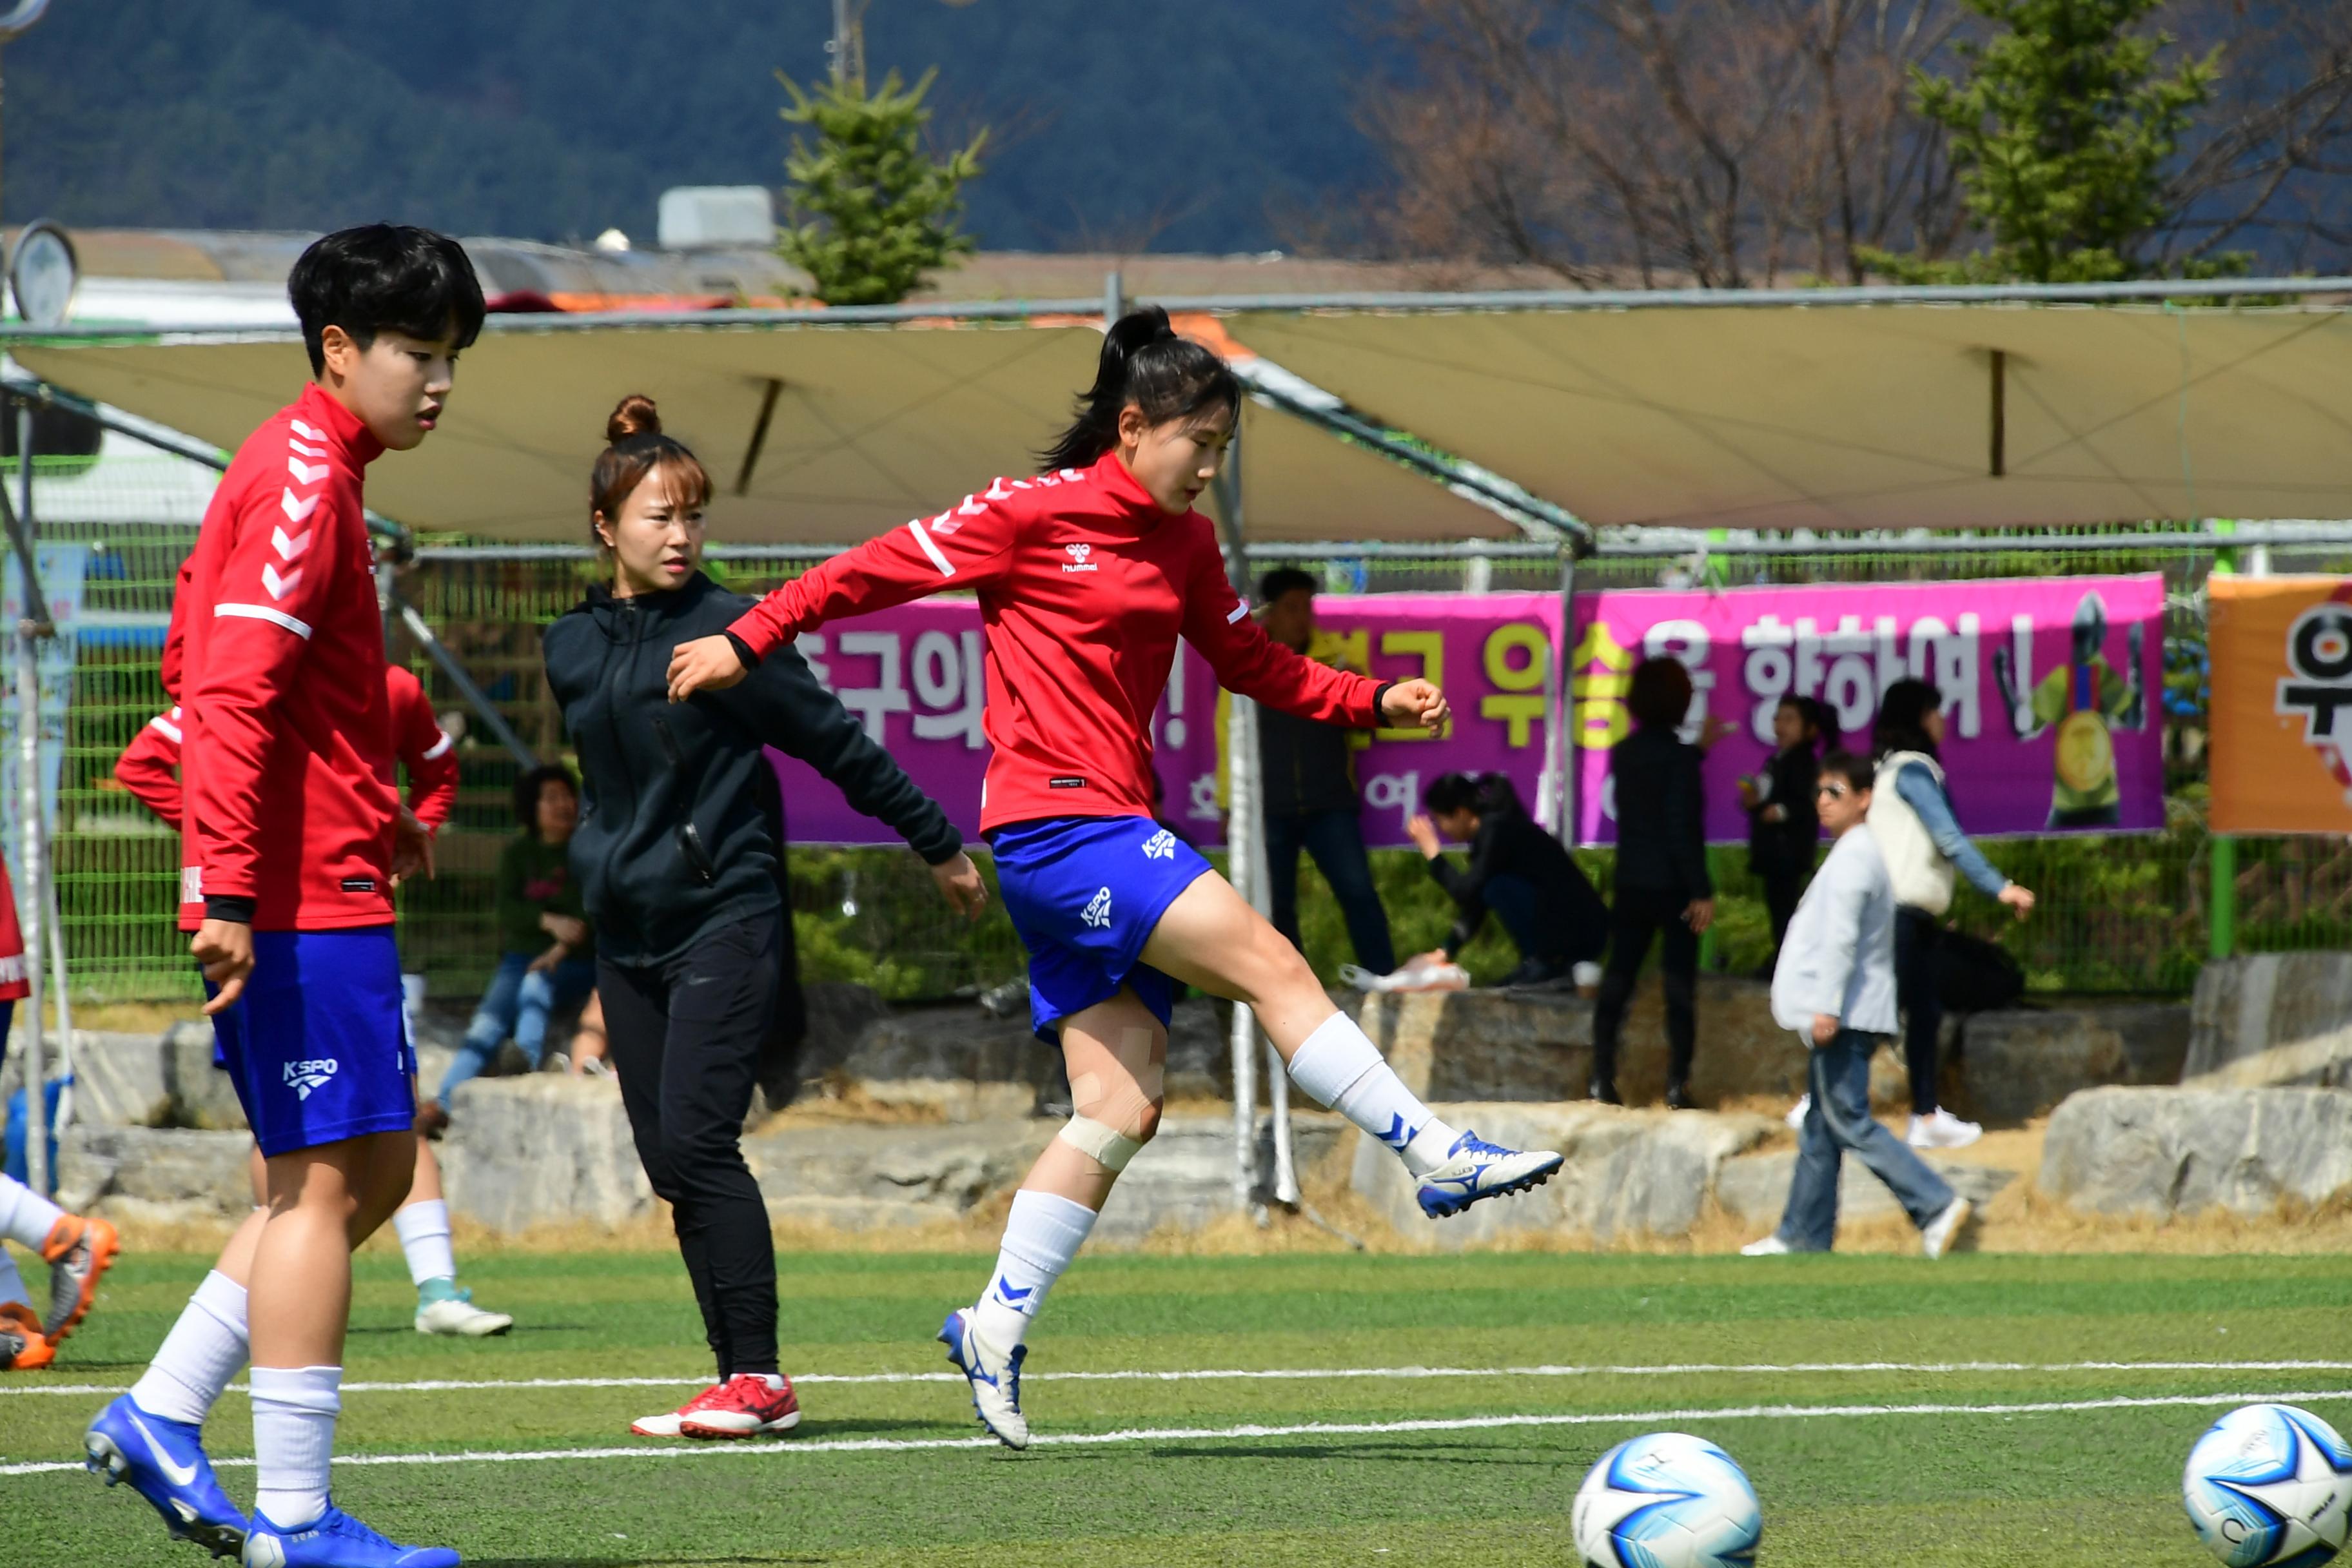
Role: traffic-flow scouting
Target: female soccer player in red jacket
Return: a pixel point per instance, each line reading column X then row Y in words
column 1086, row 574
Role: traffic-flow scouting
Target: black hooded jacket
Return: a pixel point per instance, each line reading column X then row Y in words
column 679, row 828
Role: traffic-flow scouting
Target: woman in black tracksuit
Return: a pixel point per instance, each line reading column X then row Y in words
column 676, row 857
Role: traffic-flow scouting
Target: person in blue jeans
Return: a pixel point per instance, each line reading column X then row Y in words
column 547, row 960
column 1834, row 985
column 1309, row 774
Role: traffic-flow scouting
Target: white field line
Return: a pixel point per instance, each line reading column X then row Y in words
column 1302, row 1429
column 1305, row 1375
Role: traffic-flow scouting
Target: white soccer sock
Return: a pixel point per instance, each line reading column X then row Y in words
column 200, row 1354
column 1338, row 1066
column 424, row 1239
column 26, row 1216
column 294, row 1410
column 1042, row 1235
column 11, row 1284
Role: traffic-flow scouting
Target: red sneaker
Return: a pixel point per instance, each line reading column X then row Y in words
column 743, row 1406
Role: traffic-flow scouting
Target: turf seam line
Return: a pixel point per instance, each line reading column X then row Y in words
column 1281, row 1374
column 1302, row 1429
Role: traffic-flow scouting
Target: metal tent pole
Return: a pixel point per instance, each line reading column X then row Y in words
column 1561, row 742
column 1240, row 844
column 32, row 901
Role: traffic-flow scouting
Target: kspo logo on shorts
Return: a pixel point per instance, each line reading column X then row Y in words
column 1160, row 845
column 1098, row 910
column 304, row 1077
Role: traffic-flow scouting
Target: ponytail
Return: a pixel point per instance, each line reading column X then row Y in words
column 1145, row 363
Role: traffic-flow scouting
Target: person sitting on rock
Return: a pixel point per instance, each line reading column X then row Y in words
column 547, row 961
column 1519, row 873
column 1834, row 985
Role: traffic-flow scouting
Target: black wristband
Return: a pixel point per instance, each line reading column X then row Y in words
column 228, row 907
column 742, row 650
column 1380, row 696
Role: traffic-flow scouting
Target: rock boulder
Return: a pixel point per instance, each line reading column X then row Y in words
column 2017, row 1065
column 540, row 1149
column 2245, row 1006
column 158, row 1175
column 2164, row 1151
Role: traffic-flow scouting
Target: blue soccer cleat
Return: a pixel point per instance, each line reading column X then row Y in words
column 335, row 1540
column 1474, row 1169
column 164, row 1462
column 994, row 1377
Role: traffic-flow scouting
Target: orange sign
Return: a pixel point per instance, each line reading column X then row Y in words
column 2281, row 757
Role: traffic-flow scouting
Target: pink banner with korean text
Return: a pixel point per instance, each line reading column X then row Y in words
column 2049, row 689
column 914, row 675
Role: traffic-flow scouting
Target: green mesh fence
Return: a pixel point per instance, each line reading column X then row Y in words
column 2127, row 913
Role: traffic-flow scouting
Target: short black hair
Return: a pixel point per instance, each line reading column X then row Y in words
column 1660, row 695
column 527, row 788
column 384, row 276
column 1285, row 580
column 1858, row 772
column 1451, row 792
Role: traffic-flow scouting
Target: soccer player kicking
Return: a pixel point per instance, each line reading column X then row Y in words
column 1086, row 575
column 149, row 769
column 293, row 839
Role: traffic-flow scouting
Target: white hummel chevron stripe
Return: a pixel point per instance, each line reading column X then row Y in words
column 931, row 550
column 1239, row 611
column 441, row 746
column 296, row 510
column 302, row 429
column 264, row 613
column 308, row 451
column 996, row 491
column 163, row 724
column 972, row 506
column 305, row 473
column 293, row 547
column 279, row 587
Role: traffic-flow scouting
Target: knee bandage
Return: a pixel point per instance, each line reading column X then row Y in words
column 1114, row 1109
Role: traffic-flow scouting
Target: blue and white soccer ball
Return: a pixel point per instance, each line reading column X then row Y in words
column 1666, row 1501
column 2270, row 1486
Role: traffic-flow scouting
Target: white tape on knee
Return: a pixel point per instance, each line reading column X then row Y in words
column 1106, row 1146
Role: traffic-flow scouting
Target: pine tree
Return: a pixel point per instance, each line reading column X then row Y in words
column 870, row 212
column 2062, row 129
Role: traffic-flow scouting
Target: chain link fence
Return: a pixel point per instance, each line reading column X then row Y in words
column 2121, row 913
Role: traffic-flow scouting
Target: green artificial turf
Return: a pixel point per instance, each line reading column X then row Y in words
column 1839, row 1485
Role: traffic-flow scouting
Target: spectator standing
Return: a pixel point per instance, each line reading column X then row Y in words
column 547, row 956
column 1911, row 818
column 1310, row 773
column 1784, row 834
column 1518, row 872
column 1664, row 892
column 1834, row 985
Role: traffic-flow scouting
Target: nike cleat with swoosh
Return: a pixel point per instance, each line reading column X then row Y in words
column 335, row 1540
column 994, row 1377
column 164, row 1462
column 1475, row 1169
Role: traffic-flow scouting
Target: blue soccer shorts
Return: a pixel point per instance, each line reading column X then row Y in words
column 1085, row 893
column 316, row 1046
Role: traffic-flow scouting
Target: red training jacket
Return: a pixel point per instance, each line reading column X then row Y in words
column 1085, row 585
column 148, row 766
column 15, row 983
column 276, row 656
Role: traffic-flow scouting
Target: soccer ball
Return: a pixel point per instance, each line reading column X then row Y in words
column 2270, row 1486
column 1666, row 1501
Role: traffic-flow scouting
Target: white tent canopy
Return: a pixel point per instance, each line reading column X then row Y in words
column 1983, row 415
column 812, row 433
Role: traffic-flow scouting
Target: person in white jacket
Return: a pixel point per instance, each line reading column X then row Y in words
column 1834, row 985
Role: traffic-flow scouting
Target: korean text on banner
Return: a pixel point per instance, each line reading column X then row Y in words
column 2280, row 751
column 2048, row 688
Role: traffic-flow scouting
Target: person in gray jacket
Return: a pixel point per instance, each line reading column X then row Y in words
column 1834, row 985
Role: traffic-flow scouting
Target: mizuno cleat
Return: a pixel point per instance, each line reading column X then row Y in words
column 457, row 1315
column 1474, row 1169
column 994, row 1377
column 164, row 1462
column 335, row 1540
column 79, row 1251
